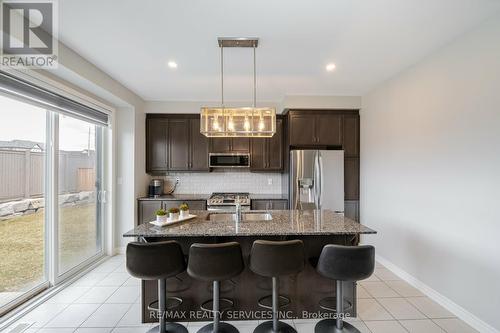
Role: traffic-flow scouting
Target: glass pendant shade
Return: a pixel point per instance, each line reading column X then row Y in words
column 238, row 122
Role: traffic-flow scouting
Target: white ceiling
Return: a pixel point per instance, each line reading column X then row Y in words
column 369, row 40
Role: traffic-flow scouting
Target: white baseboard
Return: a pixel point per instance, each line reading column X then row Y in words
column 445, row 302
column 120, row 250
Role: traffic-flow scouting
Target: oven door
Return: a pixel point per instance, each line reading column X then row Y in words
column 223, row 160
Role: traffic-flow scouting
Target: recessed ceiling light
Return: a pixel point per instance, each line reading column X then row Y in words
column 172, row 64
column 330, row 67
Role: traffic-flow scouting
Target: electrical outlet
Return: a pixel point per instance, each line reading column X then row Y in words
column 269, row 181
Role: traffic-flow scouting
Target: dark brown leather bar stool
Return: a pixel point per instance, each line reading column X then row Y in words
column 157, row 261
column 215, row 263
column 274, row 259
column 343, row 263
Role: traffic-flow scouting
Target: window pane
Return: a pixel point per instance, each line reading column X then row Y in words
column 79, row 222
column 22, row 220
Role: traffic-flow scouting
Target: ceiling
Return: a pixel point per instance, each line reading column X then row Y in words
column 368, row 40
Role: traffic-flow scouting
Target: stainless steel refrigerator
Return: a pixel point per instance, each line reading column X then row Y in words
column 316, row 179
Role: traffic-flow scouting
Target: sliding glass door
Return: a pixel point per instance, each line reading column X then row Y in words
column 51, row 176
column 79, row 181
column 22, row 200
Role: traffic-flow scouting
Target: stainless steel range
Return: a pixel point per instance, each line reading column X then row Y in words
column 228, row 201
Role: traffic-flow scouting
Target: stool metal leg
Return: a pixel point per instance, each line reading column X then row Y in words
column 165, row 327
column 216, row 306
column 275, row 304
column 162, row 303
column 216, row 326
column 275, row 326
column 340, row 306
column 338, row 325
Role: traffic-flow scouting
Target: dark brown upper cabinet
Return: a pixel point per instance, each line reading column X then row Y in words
column 267, row 153
column 178, row 143
column 174, row 143
column 199, row 148
column 302, row 130
column 156, row 145
column 351, row 178
column 315, row 128
column 351, row 135
column 229, row 145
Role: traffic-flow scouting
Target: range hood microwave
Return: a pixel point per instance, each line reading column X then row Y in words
column 229, row 160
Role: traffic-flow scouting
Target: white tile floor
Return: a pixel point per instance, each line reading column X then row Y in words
column 106, row 300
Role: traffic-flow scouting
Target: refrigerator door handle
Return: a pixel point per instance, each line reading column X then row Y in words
column 316, row 180
column 320, row 180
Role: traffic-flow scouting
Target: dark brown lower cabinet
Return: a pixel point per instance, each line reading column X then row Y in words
column 351, row 210
column 269, row 204
column 147, row 208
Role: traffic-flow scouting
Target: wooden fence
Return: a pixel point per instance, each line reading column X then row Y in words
column 22, row 173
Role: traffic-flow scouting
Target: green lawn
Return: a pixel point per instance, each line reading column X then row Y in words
column 22, row 245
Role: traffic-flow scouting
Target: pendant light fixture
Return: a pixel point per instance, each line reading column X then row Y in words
column 238, row 121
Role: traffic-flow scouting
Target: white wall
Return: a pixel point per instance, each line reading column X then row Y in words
column 124, row 171
column 430, row 171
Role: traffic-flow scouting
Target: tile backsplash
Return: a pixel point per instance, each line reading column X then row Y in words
column 222, row 181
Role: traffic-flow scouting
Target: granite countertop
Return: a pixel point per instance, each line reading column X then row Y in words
column 284, row 222
column 176, row 196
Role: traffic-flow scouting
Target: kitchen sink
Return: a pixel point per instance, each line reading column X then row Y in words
column 256, row 217
column 228, row 217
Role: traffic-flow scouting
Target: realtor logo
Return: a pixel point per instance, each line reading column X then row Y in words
column 29, row 34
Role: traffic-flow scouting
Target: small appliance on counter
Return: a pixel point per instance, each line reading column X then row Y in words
column 155, row 188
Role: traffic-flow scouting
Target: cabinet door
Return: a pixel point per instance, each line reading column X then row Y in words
column 279, row 204
column 260, row 205
column 193, row 204
column 275, row 149
column 264, row 204
column 351, row 210
column 329, row 130
column 178, row 138
column 147, row 210
column 240, row 145
column 258, row 160
column 220, row 145
column 157, row 145
column 302, row 131
column 198, row 148
column 351, row 178
column 351, row 135
column 197, row 204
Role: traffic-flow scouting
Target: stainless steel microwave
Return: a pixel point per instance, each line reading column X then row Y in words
column 229, row 160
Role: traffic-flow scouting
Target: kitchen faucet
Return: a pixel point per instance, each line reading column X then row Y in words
column 238, row 212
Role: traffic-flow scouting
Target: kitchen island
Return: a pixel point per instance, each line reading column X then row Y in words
column 315, row 228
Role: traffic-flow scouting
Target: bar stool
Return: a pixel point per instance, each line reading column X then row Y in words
column 215, row 263
column 157, row 261
column 274, row 259
column 343, row 263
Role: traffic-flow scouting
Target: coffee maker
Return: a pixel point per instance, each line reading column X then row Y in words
column 155, row 188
